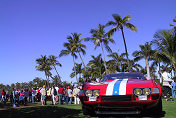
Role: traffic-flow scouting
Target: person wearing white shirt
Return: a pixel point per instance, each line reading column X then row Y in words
column 69, row 96
column 166, row 85
column 76, row 93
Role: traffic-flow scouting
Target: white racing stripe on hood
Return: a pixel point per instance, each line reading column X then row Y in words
column 122, row 88
column 110, row 87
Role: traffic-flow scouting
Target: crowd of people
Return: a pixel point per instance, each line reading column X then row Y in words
column 56, row 95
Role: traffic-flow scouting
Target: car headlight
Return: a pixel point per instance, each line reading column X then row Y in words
column 88, row 93
column 146, row 91
column 96, row 92
column 155, row 90
column 137, row 91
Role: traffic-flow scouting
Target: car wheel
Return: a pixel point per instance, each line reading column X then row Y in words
column 159, row 107
column 157, row 110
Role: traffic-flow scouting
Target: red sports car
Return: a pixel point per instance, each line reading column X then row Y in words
column 121, row 93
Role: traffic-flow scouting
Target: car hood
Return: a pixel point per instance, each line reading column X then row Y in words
column 119, row 86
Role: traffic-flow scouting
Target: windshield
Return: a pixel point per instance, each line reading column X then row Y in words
column 124, row 76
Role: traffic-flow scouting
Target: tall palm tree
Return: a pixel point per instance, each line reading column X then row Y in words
column 44, row 65
column 166, row 46
column 99, row 37
column 69, row 50
column 54, row 63
column 146, row 53
column 120, row 23
column 78, row 46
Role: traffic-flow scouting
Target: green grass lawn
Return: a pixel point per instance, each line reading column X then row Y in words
column 62, row 111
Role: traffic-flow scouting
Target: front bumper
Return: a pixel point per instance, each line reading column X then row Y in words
column 120, row 104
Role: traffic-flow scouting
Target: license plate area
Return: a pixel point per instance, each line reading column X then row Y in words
column 142, row 97
column 92, row 99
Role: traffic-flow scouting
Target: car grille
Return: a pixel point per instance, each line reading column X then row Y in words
column 116, row 98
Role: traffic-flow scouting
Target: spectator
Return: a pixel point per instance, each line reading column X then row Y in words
column 43, row 95
column 3, row 94
column 167, row 87
column 66, row 95
column 69, row 95
column 21, row 98
column 26, row 95
column 34, row 92
column 0, row 97
column 60, row 94
column 53, row 94
column 49, row 94
column 11, row 98
column 76, row 91
column 173, row 84
column 30, row 95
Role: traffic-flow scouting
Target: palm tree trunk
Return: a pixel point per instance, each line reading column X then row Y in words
column 57, row 74
column 46, row 77
column 82, row 61
column 148, row 69
column 126, row 49
column 160, row 72
column 104, row 57
column 75, row 68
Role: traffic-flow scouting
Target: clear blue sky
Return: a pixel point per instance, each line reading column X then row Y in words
column 31, row 28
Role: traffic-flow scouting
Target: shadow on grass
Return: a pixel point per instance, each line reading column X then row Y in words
column 42, row 112
column 135, row 116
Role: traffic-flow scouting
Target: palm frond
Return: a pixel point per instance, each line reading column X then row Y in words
column 131, row 27
column 63, row 53
column 111, row 23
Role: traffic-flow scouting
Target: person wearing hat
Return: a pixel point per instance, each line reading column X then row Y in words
column 43, row 94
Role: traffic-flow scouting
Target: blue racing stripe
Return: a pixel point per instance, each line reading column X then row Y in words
column 116, row 87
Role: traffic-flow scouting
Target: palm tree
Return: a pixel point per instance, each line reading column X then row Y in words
column 37, row 81
column 166, row 46
column 77, row 45
column 120, row 23
column 99, row 38
column 56, row 80
column 145, row 53
column 117, row 61
column 44, row 65
column 55, row 63
column 78, row 70
column 97, row 67
column 69, row 50
column 134, row 66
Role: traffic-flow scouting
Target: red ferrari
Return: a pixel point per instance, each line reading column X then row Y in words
column 121, row 93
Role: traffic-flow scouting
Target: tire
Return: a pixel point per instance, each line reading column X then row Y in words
column 157, row 110
column 159, row 106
